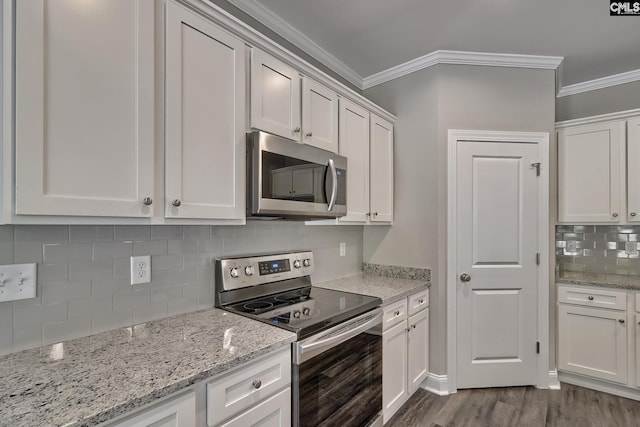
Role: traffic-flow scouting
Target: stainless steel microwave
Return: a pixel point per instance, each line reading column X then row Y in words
column 292, row 180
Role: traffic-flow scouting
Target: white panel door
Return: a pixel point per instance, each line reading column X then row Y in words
column 633, row 170
column 394, row 369
column 591, row 173
column 275, row 96
column 84, row 107
column 496, row 248
column 418, row 349
column 205, row 119
column 381, row 174
column 319, row 115
column 593, row 342
column 354, row 145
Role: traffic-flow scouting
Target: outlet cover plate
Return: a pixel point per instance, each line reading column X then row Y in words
column 140, row 269
column 18, row 281
column 631, row 248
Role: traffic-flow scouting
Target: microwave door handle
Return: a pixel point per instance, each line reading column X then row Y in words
column 334, row 185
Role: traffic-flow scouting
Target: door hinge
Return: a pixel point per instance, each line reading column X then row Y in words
column 536, row 166
column 538, row 258
column 537, row 347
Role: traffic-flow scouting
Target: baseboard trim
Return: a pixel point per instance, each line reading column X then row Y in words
column 595, row 384
column 437, row 384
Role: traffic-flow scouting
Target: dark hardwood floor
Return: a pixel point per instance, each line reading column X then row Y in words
column 571, row 406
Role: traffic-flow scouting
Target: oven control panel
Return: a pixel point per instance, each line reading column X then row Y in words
column 241, row 272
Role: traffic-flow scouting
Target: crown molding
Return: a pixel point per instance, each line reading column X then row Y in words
column 619, row 115
column 276, row 24
column 463, row 58
column 603, row 82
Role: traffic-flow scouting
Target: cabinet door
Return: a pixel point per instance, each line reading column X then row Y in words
column 319, row 116
column 272, row 412
column 177, row 412
column 418, row 349
column 381, row 170
column 275, row 96
column 205, row 119
column 637, row 328
column 593, row 342
column 84, row 107
column 633, row 170
column 394, row 369
column 354, row 145
column 591, row 173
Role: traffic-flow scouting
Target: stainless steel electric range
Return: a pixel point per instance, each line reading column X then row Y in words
column 337, row 357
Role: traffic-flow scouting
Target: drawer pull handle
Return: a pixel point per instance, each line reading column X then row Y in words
column 257, row 384
column 590, row 298
column 396, row 313
column 621, row 321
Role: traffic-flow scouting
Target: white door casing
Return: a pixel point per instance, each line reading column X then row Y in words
column 497, row 224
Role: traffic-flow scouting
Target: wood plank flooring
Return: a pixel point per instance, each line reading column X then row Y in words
column 571, row 406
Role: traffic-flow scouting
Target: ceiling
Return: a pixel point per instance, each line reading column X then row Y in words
column 365, row 37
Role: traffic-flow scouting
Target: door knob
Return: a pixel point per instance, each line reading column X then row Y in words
column 176, row 203
column 464, row 277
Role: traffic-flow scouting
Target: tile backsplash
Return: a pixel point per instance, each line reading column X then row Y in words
column 83, row 271
column 598, row 249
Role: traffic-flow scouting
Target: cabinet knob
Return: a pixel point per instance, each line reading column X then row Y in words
column 590, row 298
column 413, row 326
column 296, row 130
column 621, row 321
column 176, row 203
column 309, row 134
column 257, row 384
column 368, row 214
column 375, row 214
column 633, row 214
column 615, row 215
column 396, row 313
column 408, row 329
column 147, row 201
column 420, row 301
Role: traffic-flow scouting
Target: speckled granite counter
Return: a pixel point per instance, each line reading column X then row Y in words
column 601, row 280
column 388, row 289
column 85, row 381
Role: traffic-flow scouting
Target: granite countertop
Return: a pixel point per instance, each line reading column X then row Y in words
column 616, row 281
column 388, row 289
column 85, row 381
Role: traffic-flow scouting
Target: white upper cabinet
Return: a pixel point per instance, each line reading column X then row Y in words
column 205, row 119
column 381, row 172
column 591, row 173
column 319, row 116
column 354, row 145
column 275, row 96
column 633, row 170
column 84, row 107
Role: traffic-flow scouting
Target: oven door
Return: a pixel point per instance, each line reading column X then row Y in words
column 337, row 375
column 289, row 179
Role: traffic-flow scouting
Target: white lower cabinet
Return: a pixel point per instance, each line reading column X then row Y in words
column 273, row 412
column 593, row 341
column 177, row 412
column 405, row 350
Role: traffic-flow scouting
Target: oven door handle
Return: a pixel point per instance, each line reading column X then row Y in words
column 306, row 351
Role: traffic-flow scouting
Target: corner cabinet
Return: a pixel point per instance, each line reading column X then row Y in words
column 405, row 350
column 633, row 170
column 84, row 117
column 205, row 119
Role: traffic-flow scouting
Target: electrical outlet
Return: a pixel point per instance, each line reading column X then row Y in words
column 631, row 248
column 343, row 248
column 571, row 246
column 140, row 269
column 17, row 281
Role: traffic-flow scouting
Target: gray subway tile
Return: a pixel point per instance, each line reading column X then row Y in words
column 27, row 337
column 153, row 247
column 105, row 288
column 182, row 246
column 25, row 252
column 196, row 232
column 42, row 233
column 131, row 299
column 39, row 314
column 62, row 331
column 53, row 273
column 111, row 250
column 90, row 233
column 595, row 236
column 185, row 275
column 166, row 262
column 150, row 312
column 181, row 306
column 224, row 231
column 55, row 253
column 108, row 321
column 132, row 232
column 615, row 237
column 122, row 268
column 90, row 306
column 62, row 292
column 210, row 245
column 166, row 232
column 90, row 270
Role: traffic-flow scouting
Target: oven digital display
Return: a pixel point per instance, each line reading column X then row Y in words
column 272, row 267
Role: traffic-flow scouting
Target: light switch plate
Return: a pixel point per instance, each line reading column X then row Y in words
column 18, row 281
column 140, row 269
column 631, row 248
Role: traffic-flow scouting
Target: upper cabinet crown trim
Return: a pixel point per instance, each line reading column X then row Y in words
column 619, row 115
column 601, row 83
column 255, row 39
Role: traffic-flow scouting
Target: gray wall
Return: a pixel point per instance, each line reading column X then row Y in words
column 429, row 103
column 601, row 101
column 83, row 272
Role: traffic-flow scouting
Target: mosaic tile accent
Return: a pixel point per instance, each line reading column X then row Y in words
column 599, row 249
column 397, row 271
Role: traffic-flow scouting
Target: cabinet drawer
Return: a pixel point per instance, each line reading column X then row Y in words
column 394, row 314
column 418, row 302
column 276, row 410
column 237, row 391
column 616, row 300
